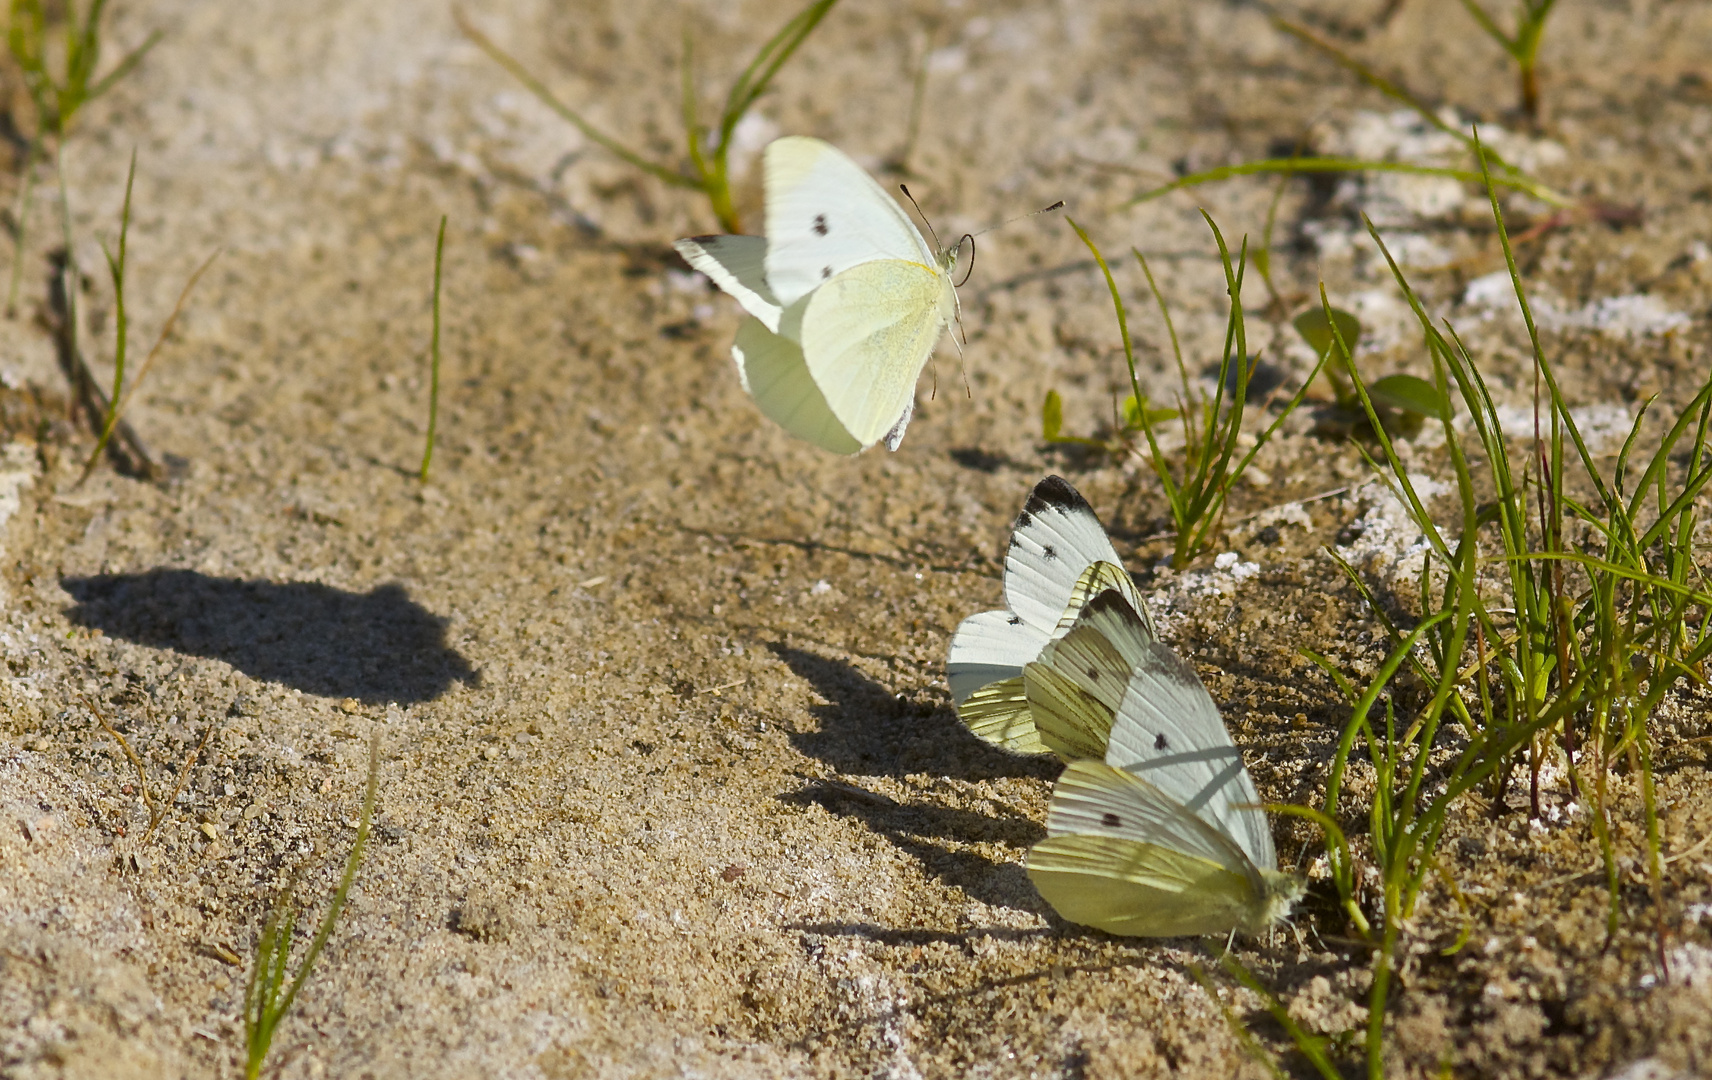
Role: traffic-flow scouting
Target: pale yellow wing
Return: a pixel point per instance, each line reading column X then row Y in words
column 989, row 654
column 1123, row 857
column 774, row 372
column 998, row 712
column 1076, row 685
column 866, row 334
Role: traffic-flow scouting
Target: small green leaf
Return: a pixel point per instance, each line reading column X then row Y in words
column 1051, row 416
column 1317, row 331
column 1410, row 394
column 1133, row 418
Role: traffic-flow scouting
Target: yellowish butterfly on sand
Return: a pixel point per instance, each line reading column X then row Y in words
column 845, row 300
column 1166, row 836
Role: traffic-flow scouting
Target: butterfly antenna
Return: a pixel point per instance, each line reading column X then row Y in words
column 1059, row 205
column 967, row 274
column 905, row 189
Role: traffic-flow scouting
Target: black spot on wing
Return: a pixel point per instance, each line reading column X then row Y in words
column 1048, row 552
column 1016, row 620
column 825, row 272
column 1110, row 820
column 1093, row 674
column 820, row 228
column 1160, row 742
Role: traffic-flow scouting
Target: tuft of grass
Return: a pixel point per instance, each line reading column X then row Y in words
column 708, row 151
column 269, row 997
column 1196, row 494
column 57, row 96
column 1523, row 46
column 1529, row 633
column 111, row 407
column 434, row 355
column 116, row 267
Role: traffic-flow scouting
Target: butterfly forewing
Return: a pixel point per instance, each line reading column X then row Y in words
column 1168, row 731
column 825, row 214
column 987, row 647
column 1059, row 557
column 1076, row 686
column 1056, row 537
column 737, row 265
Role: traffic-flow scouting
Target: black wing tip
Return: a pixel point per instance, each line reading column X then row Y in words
column 704, row 240
column 1056, row 493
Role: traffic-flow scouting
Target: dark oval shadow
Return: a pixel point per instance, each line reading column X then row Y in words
column 866, row 731
column 377, row 647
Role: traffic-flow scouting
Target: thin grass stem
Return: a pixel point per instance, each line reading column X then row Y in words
column 434, row 356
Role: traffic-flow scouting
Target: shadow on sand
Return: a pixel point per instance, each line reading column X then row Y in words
column 377, row 647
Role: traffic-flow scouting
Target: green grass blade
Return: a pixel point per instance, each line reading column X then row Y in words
column 772, row 55
column 545, row 96
column 116, row 267
column 434, row 355
column 1345, row 164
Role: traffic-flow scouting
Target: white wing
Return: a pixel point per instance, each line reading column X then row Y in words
column 866, row 334
column 736, row 264
column 774, row 372
column 1056, row 537
column 1168, row 731
column 826, row 215
column 988, row 647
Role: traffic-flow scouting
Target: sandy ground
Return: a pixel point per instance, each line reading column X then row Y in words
column 671, row 781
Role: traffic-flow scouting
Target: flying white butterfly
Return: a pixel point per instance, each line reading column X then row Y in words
column 1059, row 556
column 1167, row 836
column 846, row 301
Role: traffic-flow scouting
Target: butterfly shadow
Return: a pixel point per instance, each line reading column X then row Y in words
column 931, row 834
column 377, row 647
column 866, row 730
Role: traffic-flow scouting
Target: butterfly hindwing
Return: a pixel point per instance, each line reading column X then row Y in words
column 1059, row 558
column 999, row 713
column 866, row 334
column 1122, row 856
column 774, row 372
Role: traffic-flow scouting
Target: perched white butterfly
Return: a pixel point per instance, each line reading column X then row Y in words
column 846, row 301
column 1167, row 836
column 1059, row 556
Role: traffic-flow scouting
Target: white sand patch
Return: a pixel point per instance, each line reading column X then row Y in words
column 1630, row 316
